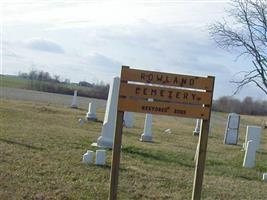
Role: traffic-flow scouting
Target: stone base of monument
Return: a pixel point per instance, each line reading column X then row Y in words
column 195, row 132
column 91, row 117
column 103, row 143
column 146, row 138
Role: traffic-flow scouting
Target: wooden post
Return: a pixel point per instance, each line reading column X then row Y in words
column 114, row 174
column 200, row 160
column 202, row 150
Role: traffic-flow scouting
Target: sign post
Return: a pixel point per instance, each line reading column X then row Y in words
column 173, row 95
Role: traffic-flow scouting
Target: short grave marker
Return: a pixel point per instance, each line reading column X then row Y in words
column 197, row 128
column 91, row 114
column 74, row 103
column 88, row 157
column 100, row 158
column 128, row 119
column 147, row 134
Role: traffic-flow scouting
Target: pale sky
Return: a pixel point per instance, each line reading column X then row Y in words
column 90, row 40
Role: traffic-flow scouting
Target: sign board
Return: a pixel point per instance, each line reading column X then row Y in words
column 173, row 95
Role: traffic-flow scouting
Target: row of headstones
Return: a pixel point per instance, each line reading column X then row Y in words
column 251, row 145
column 100, row 157
column 252, row 140
column 108, row 128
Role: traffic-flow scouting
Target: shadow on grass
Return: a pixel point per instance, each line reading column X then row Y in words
column 22, row 144
column 94, row 120
column 263, row 152
column 159, row 156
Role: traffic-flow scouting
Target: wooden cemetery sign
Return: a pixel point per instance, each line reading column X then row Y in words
column 173, row 95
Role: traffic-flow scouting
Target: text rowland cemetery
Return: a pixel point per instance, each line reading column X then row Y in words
column 132, row 100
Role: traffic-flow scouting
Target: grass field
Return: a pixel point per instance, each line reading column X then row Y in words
column 41, row 146
column 13, row 82
column 19, row 82
column 9, row 81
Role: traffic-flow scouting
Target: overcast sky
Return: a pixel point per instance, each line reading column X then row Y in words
column 90, row 40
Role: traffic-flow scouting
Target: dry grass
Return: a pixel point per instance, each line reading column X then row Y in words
column 41, row 146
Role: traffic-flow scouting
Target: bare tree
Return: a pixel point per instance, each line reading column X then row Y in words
column 247, row 32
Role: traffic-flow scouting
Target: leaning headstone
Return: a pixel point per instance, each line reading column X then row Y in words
column 128, row 119
column 253, row 133
column 250, row 155
column 100, row 158
column 91, row 114
column 232, row 129
column 147, row 134
column 74, row 103
column 197, row 128
column 88, row 157
column 109, row 124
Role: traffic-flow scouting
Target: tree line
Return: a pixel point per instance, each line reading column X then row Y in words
column 247, row 106
column 43, row 81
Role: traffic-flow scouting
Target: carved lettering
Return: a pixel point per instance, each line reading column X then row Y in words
column 137, row 90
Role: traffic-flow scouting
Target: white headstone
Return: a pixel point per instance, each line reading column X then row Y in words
column 253, row 133
column 91, row 114
column 264, row 176
column 232, row 129
column 128, row 119
column 109, row 124
column 88, row 157
column 197, row 128
column 74, row 103
column 250, row 155
column 147, row 134
column 100, row 157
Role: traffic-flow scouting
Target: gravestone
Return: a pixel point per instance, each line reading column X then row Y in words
column 108, row 128
column 197, row 128
column 253, row 133
column 74, row 103
column 147, row 134
column 91, row 114
column 250, row 155
column 128, row 119
column 88, row 157
column 232, row 129
column 100, row 158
